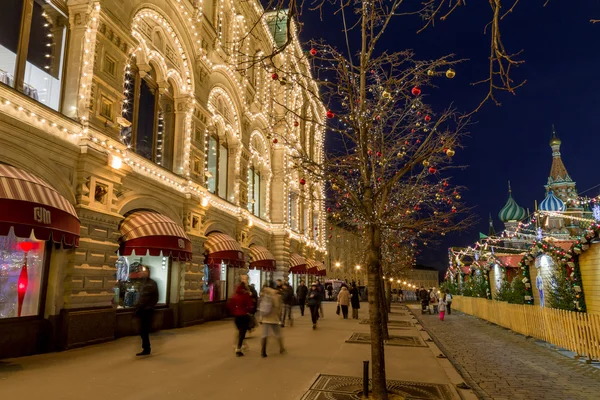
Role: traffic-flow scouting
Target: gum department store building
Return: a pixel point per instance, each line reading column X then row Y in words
column 127, row 134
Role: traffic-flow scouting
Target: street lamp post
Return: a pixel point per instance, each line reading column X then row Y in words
column 337, row 270
column 356, row 274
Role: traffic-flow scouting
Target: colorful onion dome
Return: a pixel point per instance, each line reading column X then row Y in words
column 552, row 203
column 511, row 210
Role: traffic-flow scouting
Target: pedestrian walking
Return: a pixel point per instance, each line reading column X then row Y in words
column 148, row 297
column 448, row 301
column 330, row 291
column 424, row 297
column 313, row 301
column 442, row 308
column 434, row 300
column 354, row 300
column 301, row 293
column 287, row 295
column 344, row 301
column 240, row 306
column 270, row 311
column 321, row 297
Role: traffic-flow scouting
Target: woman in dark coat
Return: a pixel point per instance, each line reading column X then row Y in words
column 354, row 301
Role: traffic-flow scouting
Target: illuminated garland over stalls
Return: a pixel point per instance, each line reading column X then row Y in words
column 564, row 259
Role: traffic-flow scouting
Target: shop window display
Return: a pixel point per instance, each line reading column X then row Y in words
column 127, row 288
column 21, row 275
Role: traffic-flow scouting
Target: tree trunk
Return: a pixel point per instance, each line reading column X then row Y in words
column 388, row 297
column 384, row 312
column 379, row 385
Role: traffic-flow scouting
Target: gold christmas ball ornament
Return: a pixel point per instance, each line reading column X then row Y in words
column 430, row 72
column 458, row 197
column 450, row 73
column 335, row 187
column 386, row 95
column 450, row 152
column 425, row 163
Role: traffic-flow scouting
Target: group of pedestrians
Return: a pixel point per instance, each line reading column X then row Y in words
column 440, row 304
column 348, row 298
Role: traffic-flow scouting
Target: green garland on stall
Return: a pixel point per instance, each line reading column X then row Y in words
column 563, row 258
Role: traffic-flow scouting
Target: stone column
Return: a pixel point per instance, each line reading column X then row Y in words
column 181, row 145
column 278, row 196
column 79, row 12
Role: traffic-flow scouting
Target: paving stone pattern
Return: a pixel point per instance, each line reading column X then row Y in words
column 507, row 366
column 365, row 338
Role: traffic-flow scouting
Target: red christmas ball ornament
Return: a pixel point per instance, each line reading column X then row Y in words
column 419, row 113
column 369, row 152
column 407, row 143
column 296, row 123
column 378, row 154
column 313, row 52
column 275, row 76
column 378, row 179
column 416, row 91
column 445, row 221
column 302, row 181
column 445, row 184
column 378, row 118
column 427, row 118
column 347, row 195
column 330, row 236
column 330, row 114
column 418, row 141
column 275, row 141
column 432, row 170
column 372, row 71
column 329, row 209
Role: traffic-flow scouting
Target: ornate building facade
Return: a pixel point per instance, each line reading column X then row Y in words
column 150, row 123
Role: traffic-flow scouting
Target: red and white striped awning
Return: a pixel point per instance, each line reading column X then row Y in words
column 223, row 248
column 314, row 267
column 261, row 258
column 28, row 204
column 148, row 232
column 297, row 264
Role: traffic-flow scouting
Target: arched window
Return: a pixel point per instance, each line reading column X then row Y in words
column 151, row 112
column 218, row 154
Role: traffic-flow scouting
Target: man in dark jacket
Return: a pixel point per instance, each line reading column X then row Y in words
column 301, row 293
column 354, row 301
column 145, row 306
column 287, row 295
column 321, row 290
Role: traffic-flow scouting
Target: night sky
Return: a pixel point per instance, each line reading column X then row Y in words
column 562, row 53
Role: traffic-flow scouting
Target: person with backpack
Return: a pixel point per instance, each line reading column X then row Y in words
column 269, row 308
column 448, row 302
column 314, row 301
column 240, row 306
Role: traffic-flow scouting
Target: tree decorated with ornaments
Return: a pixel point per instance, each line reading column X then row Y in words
column 390, row 154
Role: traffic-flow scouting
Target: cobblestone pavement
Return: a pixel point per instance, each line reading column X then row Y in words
column 506, row 365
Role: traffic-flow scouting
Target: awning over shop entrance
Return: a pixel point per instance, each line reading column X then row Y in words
column 28, row 204
column 315, row 267
column 223, row 248
column 148, row 232
column 261, row 258
column 297, row 264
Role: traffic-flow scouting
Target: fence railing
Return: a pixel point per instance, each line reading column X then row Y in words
column 577, row 332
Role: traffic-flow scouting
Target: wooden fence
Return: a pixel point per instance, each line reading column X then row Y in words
column 577, row 332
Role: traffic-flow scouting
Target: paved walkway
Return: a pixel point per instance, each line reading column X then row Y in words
column 506, row 365
column 199, row 363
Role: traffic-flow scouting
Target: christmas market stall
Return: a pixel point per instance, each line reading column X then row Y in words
column 153, row 240
column 38, row 227
column 551, row 276
column 503, row 269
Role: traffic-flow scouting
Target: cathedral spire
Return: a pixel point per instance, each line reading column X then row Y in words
column 492, row 231
column 558, row 171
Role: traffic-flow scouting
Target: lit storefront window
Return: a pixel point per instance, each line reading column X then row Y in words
column 36, row 69
column 21, row 276
column 127, row 289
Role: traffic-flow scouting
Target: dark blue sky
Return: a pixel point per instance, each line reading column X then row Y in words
column 561, row 49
